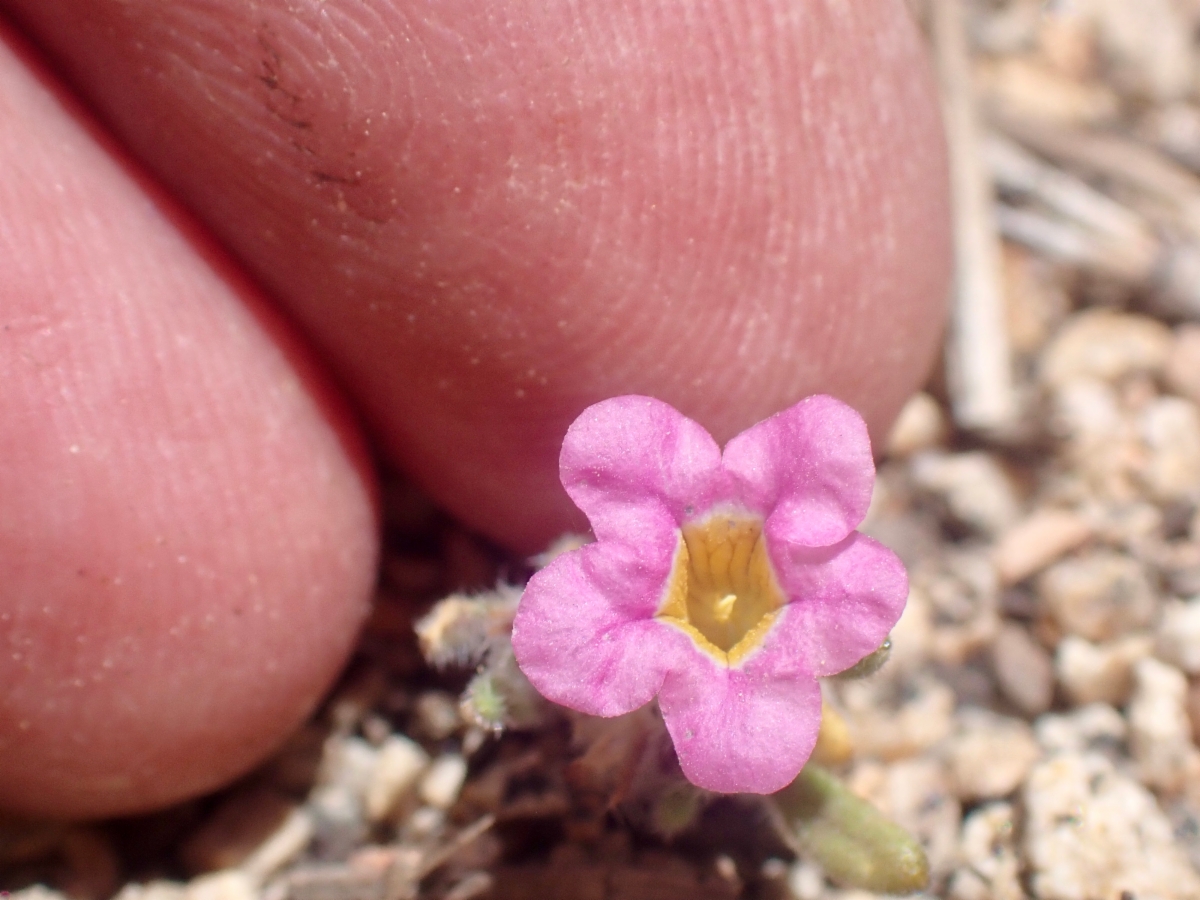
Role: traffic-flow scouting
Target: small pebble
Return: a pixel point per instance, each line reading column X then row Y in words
column 348, row 763
column 921, row 425
column 1160, row 733
column 1035, row 542
column 1098, row 596
column 150, row 890
column 1087, row 414
column 880, row 729
column 1023, row 670
column 1170, row 429
column 989, row 755
column 805, row 881
column 1178, row 637
column 1099, row 673
column 992, row 869
column 1096, row 728
column 230, row 884
column 974, row 487
column 1092, row 833
column 1183, row 365
column 398, row 765
column 1106, row 345
column 437, row 715
column 442, row 783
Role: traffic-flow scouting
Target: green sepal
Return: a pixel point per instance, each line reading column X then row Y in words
column 850, row 839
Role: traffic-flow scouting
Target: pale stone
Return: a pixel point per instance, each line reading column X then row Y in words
column 989, row 755
column 920, row 426
column 881, row 728
column 974, row 487
column 398, row 765
column 1023, row 670
column 1170, row 429
column 1096, row 727
column 910, row 637
column 1087, row 413
column 1035, row 542
column 1099, row 673
column 230, row 884
column 805, row 881
column 1105, row 345
column 443, row 781
column 41, row 892
column 964, row 599
column 1183, row 365
column 1092, row 833
column 1160, row 733
column 1098, row 596
column 150, row 890
column 1178, row 638
column 991, row 868
column 348, row 762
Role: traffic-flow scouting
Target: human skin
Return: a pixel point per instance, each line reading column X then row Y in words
column 475, row 220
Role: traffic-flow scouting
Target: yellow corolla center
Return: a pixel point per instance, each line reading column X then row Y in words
column 722, row 590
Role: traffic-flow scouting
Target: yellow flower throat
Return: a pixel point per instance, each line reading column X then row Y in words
column 722, row 589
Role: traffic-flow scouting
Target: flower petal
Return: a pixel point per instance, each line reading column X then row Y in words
column 843, row 602
column 807, row 469
column 584, row 633
column 747, row 730
column 636, row 467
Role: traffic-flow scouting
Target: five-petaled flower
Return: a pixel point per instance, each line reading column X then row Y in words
column 725, row 583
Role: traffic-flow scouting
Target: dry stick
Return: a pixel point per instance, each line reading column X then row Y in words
column 1095, row 231
column 1118, row 158
column 1155, row 246
column 978, row 362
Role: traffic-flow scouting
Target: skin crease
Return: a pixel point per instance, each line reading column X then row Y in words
column 481, row 218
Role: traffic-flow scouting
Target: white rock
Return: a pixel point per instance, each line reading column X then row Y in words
column 1092, row 833
column 1178, row 638
column 1037, row 541
column 1096, row 727
column 881, row 728
column 442, row 783
column 1087, row 413
column 1105, row 345
column 1023, row 670
column 150, row 890
column 398, row 765
column 231, row 884
column 348, row 763
column 1183, row 367
column 1098, row 596
column 1099, row 673
column 920, row 426
column 992, row 869
column 989, row 755
column 1170, row 429
column 1160, row 733
column 975, row 488
column 805, row 881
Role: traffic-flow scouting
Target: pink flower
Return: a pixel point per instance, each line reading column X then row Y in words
column 724, row 583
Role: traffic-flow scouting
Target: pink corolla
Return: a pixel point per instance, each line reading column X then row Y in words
column 724, row 583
